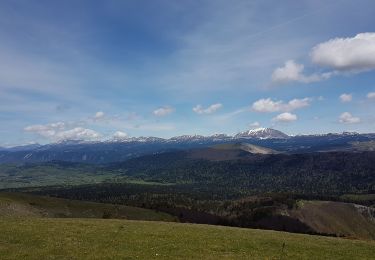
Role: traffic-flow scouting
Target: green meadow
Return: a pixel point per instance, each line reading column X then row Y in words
column 53, row 238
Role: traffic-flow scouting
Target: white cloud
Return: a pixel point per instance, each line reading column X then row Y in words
column 268, row 105
column 99, row 115
column 346, row 97
column 47, row 131
column 285, row 117
column 347, row 54
column 57, row 132
column 119, row 135
column 292, row 71
column 341, row 55
column 163, row 111
column 209, row 110
column 347, row 118
column 371, row 95
column 255, row 124
column 78, row 133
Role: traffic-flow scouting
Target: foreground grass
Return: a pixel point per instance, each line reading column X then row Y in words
column 43, row 238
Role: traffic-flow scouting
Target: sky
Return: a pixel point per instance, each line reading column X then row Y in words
column 99, row 70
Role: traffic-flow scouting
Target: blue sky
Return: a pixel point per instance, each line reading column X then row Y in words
column 113, row 69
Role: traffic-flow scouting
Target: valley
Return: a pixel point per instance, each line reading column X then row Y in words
column 167, row 129
column 256, row 184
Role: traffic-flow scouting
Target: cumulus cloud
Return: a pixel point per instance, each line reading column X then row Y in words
column 267, row 105
column 347, row 54
column 285, row 117
column 58, row 132
column 371, row 95
column 119, row 135
column 340, row 55
column 163, row 111
column 99, row 115
column 346, row 97
column 255, row 124
column 347, row 118
column 47, row 131
column 77, row 133
column 292, row 71
column 209, row 110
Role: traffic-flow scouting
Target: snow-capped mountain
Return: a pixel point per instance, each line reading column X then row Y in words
column 26, row 147
column 129, row 147
column 186, row 138
column 262, row 133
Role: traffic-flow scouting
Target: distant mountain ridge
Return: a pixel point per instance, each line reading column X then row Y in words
column 257, row 133
column 124, row 149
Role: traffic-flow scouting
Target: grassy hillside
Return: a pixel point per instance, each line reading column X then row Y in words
column 250, row 148
column 341, row 219
column 277, row 211
column 37, row 238
column 228, row 151
column 27, row 205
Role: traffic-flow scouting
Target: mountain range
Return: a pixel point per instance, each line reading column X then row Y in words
column 120, row 150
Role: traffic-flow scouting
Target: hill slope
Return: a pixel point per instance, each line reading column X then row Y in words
column 250, row 148
column 118, row 239
column 27, row 205
column 309, row 173
column 342, row 219
column 228, row 151
column 281, row 212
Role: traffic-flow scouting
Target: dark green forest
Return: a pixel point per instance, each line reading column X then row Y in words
column 250, row 191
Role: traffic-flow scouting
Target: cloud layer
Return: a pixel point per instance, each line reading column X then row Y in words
column 267, row 105
column 163, row 111
column 255, row 124
column 346, row 54
column 59, row 132
column 292, row 71
column 285, row 117
column 99, row 115
column 340, row 55
column 345, row 98
column 347, row 118
column 371, row 95
column 119, row 135
column 209, row 110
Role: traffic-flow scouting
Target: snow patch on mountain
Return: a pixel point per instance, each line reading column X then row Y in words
column 262, row 133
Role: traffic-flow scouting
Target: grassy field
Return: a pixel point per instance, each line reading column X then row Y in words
column 47, row 238
column 33, row 175
column 17, row 176
column 27, row 205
